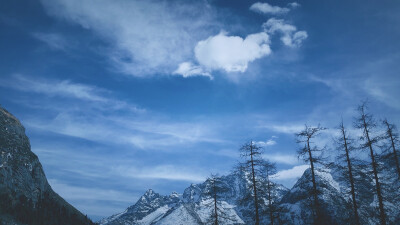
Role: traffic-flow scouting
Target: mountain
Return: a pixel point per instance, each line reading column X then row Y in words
column 192, row 208
column 25, row 195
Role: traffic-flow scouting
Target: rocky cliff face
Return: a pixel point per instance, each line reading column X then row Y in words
column 20, row 169
column 23, row 184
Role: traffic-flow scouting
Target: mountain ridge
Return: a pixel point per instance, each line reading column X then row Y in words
column 336, row 206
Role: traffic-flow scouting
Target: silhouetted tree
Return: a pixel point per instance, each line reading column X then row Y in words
column 268, row 189
column 251, row 153
column 307, row 154
column 345, row 147
column 365, row 122
column 393, row 137
column 216, row 189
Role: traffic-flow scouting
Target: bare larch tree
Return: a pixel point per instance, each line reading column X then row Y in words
column 251, row 153
column 345, row 147
column 365, row 122
column 215, row 190
column 269, row 188
column 307, row 154
column 393, row 136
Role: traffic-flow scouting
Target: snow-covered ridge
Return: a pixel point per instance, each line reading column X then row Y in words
column 192, row 207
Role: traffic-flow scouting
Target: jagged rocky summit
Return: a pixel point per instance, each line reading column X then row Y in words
column 192, row 208
column 25, row 195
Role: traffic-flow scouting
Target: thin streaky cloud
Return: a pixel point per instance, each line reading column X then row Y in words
column 143, row 133
column 68, row 89
column 167, row 172
column 53, row 40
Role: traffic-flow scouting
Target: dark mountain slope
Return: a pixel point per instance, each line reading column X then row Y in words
column 25, row 195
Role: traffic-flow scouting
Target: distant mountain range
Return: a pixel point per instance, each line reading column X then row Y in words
column 192, row 208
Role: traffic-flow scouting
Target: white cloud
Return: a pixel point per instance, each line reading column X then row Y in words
column 266, row 8
column 145, row 37
column 295, row 172
column 187, row 69
column 268, row 142
column 289, row 34
column 231, row 53
column 286, row 129
column 294, row 5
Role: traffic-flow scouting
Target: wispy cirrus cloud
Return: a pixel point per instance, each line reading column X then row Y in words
column 145, row 37
column 53, row 40
column 133, row 126
column 64, row 88
column 140, row 132
column 67, row 89
column 168, row 172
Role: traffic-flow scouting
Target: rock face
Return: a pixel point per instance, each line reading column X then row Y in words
column 193, row 207
column 25, row 194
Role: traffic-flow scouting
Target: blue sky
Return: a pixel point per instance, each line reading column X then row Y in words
column 121, row 96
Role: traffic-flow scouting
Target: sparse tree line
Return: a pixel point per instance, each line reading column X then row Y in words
column 380, row 142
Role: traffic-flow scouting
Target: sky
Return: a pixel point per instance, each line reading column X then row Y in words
column 121, row 96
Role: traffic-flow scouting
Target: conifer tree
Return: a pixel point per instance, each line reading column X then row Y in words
column 345, row 146
column 268, row 189
column 251, row 153
column 309, row 153
column 393, row 137
column 365, row 122
column 215, row 190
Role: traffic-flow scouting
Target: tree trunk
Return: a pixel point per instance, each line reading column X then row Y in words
column 316, row 216
column 378, row 185
column 254, row 184
column 271, row 213
column 394, row 150
column 353, row 194
column 215, row 204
